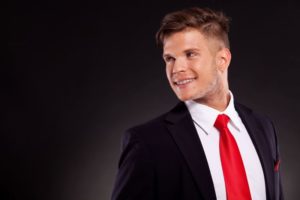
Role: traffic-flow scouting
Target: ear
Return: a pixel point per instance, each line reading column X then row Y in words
column 223, row 59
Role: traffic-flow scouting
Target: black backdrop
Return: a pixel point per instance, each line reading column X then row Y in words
column 79, row 74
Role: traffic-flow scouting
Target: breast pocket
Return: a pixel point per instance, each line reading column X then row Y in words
column 277, row 164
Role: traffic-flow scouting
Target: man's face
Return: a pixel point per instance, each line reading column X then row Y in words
column 191, row 65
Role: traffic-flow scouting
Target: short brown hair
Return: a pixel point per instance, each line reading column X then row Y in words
column 209, row 22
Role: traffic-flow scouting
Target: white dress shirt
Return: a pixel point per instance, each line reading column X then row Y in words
column 204, row 118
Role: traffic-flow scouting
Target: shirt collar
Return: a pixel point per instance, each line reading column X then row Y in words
column 205, row 116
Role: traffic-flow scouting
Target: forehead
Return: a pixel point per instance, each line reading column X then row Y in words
column 190, row 38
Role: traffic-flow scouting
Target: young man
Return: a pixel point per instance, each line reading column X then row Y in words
column 208, row 146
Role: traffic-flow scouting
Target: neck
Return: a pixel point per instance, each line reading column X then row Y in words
column 218, row 100
column 220, row 103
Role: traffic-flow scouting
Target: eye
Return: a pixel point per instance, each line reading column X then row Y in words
column 191, row 54
column 169, row 59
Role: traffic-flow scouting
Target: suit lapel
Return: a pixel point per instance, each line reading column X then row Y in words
column 181, row 127
column 260, row 142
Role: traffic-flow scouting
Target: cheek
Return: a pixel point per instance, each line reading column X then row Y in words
column 205, row 72
column 168, row 72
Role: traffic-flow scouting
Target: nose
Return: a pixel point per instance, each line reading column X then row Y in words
column 180, row 65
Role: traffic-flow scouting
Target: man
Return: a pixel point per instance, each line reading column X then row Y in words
column 208, row 146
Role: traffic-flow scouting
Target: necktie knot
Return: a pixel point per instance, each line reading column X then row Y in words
column 221, row 121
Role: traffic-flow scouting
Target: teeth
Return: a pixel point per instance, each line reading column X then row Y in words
column 184, row 81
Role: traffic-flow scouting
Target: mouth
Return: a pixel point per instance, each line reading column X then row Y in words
column 184, row 81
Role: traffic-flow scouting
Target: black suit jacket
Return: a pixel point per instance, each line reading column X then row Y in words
column 164, row 160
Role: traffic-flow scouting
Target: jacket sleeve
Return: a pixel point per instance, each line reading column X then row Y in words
column 135, row 177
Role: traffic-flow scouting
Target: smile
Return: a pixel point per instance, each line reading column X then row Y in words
column 185, row 81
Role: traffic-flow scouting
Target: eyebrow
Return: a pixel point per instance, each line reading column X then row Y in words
column 191, row 49
column 185, row 51
column 166, row 55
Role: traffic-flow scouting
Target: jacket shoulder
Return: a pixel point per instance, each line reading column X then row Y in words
column 156, row 126
column 260, row 117
column 258, row 120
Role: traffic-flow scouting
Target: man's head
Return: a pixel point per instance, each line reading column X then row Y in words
column 210, row 23
column 196, row 52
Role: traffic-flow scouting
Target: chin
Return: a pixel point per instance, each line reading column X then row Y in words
column 184, row 97
column 190, row 97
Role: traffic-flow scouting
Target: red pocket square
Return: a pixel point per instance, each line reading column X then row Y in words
column 276, row 165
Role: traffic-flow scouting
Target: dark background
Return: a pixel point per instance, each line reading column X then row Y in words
column 79, row 74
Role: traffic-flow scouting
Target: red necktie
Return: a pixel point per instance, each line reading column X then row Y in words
column 236, row 183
